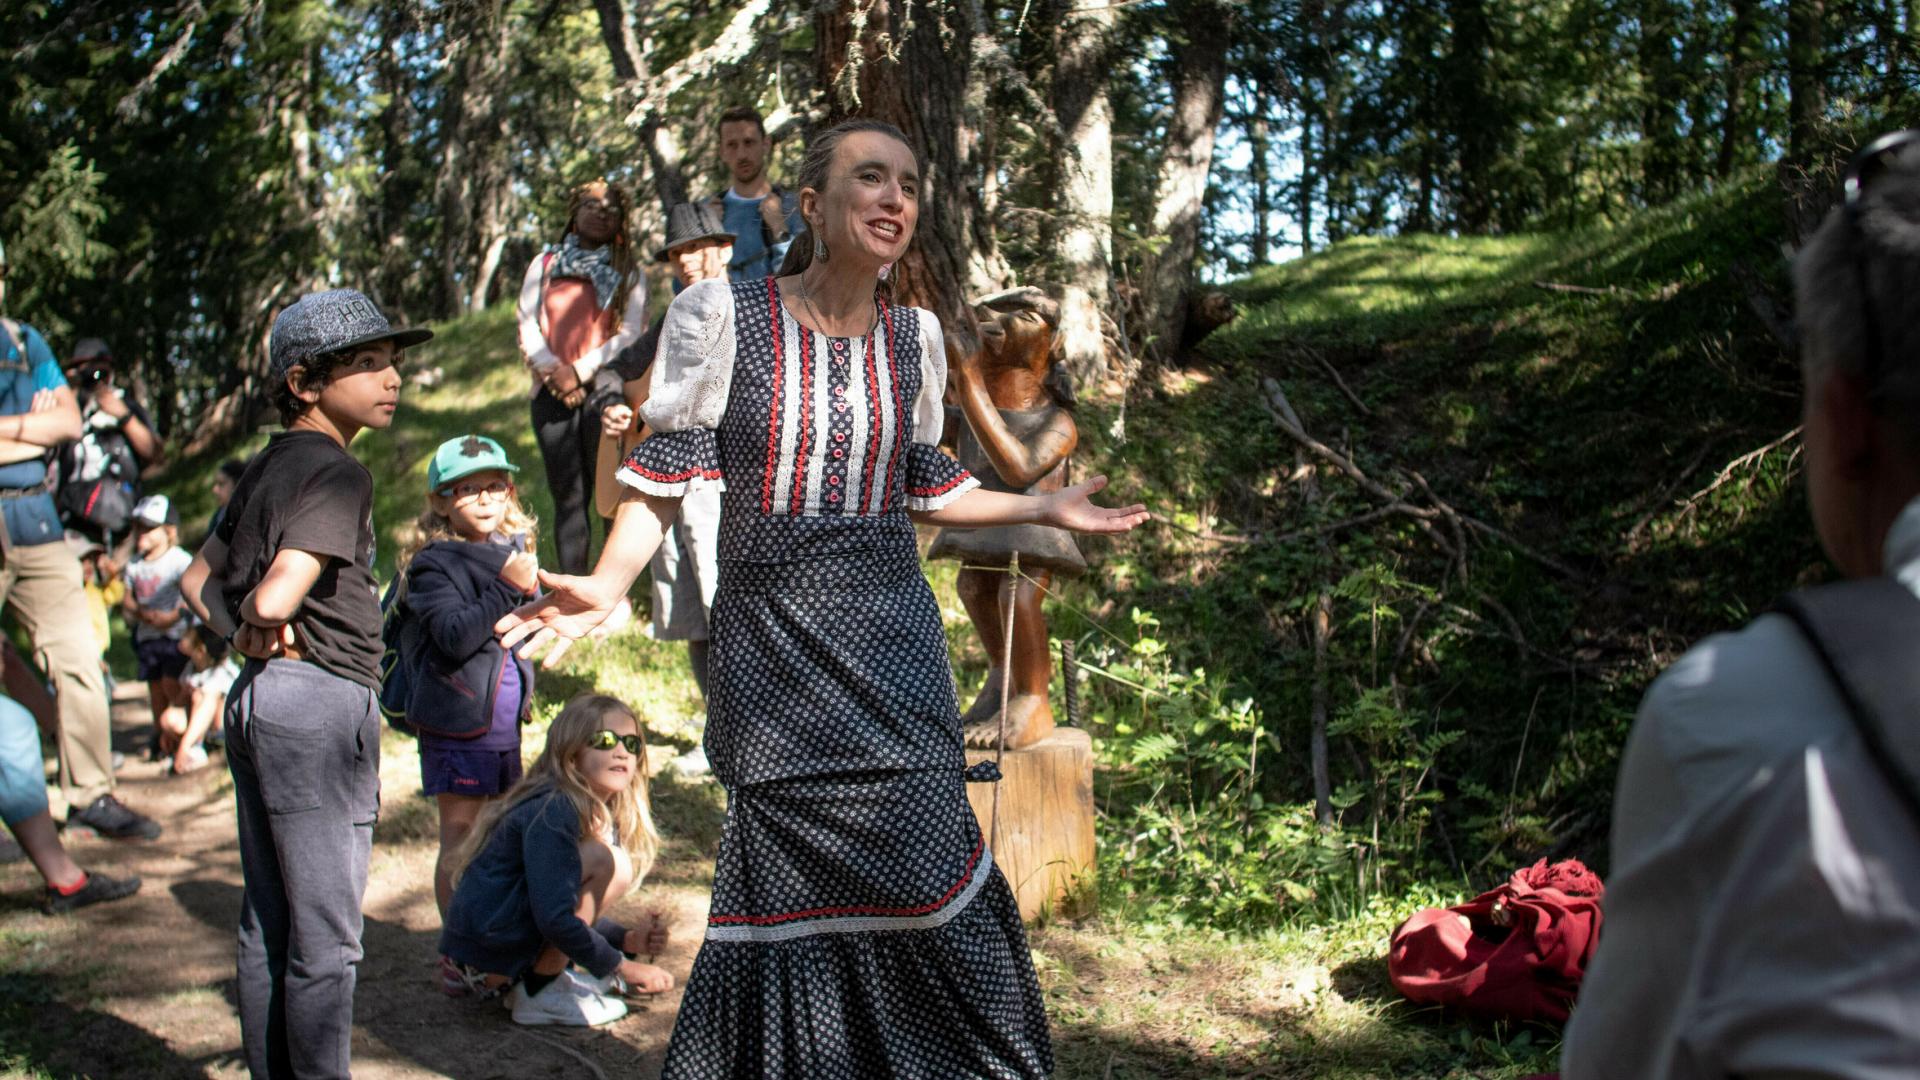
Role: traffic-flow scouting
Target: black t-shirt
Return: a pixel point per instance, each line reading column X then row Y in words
column 304, row 491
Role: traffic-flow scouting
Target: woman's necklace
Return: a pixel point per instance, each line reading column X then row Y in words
column 821, row 323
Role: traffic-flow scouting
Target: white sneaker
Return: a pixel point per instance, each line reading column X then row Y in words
column 563, row 1002
column 612, row 985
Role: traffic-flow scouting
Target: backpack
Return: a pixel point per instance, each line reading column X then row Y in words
column 99, row 480
column 402, row 646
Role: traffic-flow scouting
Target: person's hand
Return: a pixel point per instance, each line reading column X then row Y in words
column 1071, row 508
column 522, row 571
column 44, row 401
column 574, row 399
column 774, row 214
column 110, row 401
column 653, row 940
column 571, row 608
column 615, row 420
column 263, row 642
column 645, row 978
column 562, row 380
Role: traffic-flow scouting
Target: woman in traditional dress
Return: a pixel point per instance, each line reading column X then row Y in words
column 581, row 302
column 858, row 926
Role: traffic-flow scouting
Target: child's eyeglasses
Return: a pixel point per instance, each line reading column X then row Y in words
column 607, row 740
column 495, row 489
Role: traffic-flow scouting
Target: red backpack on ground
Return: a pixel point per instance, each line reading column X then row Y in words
column 1514, row 953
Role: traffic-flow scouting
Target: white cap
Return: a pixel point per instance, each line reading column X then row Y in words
column 155, row 510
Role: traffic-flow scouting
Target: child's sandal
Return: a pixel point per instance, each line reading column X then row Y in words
column 459, row 980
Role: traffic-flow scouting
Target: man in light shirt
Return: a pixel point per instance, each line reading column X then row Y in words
column 1763, row 914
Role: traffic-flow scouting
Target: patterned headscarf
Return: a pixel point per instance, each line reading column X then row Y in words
column 593, row 264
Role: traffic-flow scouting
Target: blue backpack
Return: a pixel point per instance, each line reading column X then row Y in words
column 403, row 643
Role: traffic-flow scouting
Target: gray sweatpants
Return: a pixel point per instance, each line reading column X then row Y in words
column 304, row 747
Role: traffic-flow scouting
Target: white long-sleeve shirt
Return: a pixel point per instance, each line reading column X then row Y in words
column 1763, row 914
column 540, row 357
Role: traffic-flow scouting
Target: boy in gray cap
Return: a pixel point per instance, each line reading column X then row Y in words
column 287, row 580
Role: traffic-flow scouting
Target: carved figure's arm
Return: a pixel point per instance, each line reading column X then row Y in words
column 1019, row 464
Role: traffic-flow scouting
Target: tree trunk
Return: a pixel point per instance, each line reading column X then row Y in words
column 394, row 127
column 1739, row 42
column 923, row 88
column 1260, row 142
column 1660, row 105
column 629, row 59
column 1477, row 118
column 1083, row 244
column 472, row 172
column 1806, row 89
column 1322, row 630
column 1303, row 193
column 1197, row 64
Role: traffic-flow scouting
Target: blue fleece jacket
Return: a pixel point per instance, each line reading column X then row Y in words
column 519, row 894
column 456, row 594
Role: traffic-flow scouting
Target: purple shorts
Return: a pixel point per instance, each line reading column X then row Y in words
column 446, row 771
column 160, row 658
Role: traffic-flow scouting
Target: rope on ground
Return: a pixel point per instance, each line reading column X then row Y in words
column 1006, row 692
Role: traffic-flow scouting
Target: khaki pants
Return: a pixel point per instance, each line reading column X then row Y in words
column 42, row 585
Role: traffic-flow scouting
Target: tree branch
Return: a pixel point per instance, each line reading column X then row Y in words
column 1334, row 374
column 130, row 104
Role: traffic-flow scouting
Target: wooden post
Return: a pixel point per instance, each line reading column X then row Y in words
column 1046, row 823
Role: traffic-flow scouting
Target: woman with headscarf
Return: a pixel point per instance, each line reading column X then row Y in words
column 581, row 302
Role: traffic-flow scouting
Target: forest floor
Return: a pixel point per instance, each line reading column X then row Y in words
column 144, row 988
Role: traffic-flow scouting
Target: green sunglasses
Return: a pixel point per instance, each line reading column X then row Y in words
column 607, row 740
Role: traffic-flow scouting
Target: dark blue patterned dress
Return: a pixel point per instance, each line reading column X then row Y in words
column 859, row 927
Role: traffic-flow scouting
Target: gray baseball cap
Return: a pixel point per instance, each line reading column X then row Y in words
column 331, row 321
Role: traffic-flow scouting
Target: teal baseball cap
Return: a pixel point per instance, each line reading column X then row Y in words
column 465, row 456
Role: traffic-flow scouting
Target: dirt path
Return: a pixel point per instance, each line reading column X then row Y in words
column 145, row 987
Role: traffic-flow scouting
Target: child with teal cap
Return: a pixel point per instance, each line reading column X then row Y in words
column 470, row 562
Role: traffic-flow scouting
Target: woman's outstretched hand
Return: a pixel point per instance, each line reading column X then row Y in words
column 570, row 608
column 1072, row 508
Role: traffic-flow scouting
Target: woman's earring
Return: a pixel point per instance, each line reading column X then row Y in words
column 885, row 269
column 819, row 249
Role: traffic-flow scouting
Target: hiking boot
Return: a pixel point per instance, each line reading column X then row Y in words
column 109, row 817
column 98, row 890
column 563, row 1002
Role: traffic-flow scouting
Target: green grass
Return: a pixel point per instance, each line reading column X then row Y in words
column 1564, row 419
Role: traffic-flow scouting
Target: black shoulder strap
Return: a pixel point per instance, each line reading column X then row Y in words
column 1867, row 635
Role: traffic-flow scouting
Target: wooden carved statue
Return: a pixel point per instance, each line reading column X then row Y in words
column 1019, row 432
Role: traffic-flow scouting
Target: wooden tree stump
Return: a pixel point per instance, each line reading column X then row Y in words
column 1046, row 823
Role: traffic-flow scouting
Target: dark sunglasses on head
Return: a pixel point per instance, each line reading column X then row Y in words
column 1869, row 162
column 607, row 740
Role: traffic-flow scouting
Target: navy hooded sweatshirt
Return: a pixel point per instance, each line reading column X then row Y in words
column 455, row 593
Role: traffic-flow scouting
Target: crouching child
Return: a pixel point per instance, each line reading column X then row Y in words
column 543, row 867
